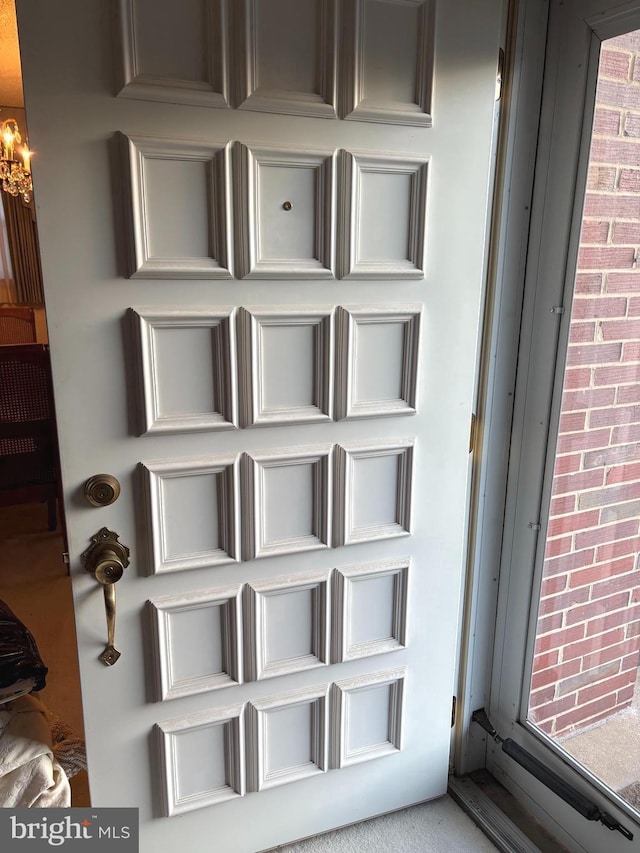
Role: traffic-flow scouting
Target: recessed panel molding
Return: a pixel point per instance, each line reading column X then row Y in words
column 382, row 34
column 287, row 625
column 291, row 748
column 387, row 242
column 202, row 759
column 207, row 36
column 287, row 56
column 287, row 500
column 367, row 717
column 370, row 609
column 219, row 410
column 195, row 169
column 373, row 491
column 286, row 361
column 169, row 614
column 218, row 522
column 285, row 212
column 381, row 344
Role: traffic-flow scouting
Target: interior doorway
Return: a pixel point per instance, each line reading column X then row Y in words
column 35, row 586
column 34, row 580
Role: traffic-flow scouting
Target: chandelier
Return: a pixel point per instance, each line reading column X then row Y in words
column 15, row 175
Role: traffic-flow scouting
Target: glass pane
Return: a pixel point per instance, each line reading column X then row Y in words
column 583, row 689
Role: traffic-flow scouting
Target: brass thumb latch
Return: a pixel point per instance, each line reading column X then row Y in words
column 107, row 558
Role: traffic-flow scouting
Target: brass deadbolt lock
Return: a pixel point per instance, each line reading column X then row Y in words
column 102, row 490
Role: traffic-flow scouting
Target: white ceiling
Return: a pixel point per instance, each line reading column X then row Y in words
column 10, row 74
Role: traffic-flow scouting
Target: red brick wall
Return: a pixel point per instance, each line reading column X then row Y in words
column 588, row 638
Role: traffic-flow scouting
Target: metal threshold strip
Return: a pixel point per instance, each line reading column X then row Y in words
column 489, row 817
column 555, row 783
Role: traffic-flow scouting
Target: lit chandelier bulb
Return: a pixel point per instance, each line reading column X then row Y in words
column 9, row 139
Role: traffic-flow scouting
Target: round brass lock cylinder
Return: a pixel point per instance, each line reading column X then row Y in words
column 102, row 490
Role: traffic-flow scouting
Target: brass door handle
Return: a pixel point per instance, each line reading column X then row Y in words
column 107, row 558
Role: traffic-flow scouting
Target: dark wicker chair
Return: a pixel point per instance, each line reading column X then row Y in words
column 28, row 446
column 17, row 325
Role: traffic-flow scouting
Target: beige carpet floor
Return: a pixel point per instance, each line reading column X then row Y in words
column 436, row 827
column 35, row 585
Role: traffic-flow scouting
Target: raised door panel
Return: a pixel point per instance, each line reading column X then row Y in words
column 373, row 491
column 191, row 513
column 197, row 642
column 377, row 355
column 388, row 60
column 383, row 240
column 285, row 212
column 286, row 366
column 287, row 501
column 287, row 56
column 367, row 717
column 177, row 208
column 287, row 624
column 370, row 603
column 190, row 783
column 287, row 738
column 175, row 343
column 175, row 52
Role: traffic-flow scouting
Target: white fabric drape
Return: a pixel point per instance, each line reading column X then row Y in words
column 30, row 775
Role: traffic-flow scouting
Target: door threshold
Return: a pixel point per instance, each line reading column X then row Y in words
column 431, row 827
column 500, row 816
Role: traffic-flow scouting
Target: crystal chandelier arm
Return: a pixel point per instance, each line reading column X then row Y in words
column 15, row 176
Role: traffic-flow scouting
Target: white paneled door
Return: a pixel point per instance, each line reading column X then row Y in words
column 263, row 231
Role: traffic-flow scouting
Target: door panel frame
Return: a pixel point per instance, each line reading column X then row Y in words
column 539, row 354
column 516, row 157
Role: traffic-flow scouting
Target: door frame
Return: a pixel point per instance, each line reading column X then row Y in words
column 516, row 156
column 519, row 361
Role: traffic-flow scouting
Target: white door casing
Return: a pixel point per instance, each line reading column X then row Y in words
column 576, row 30
column 263, row 319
